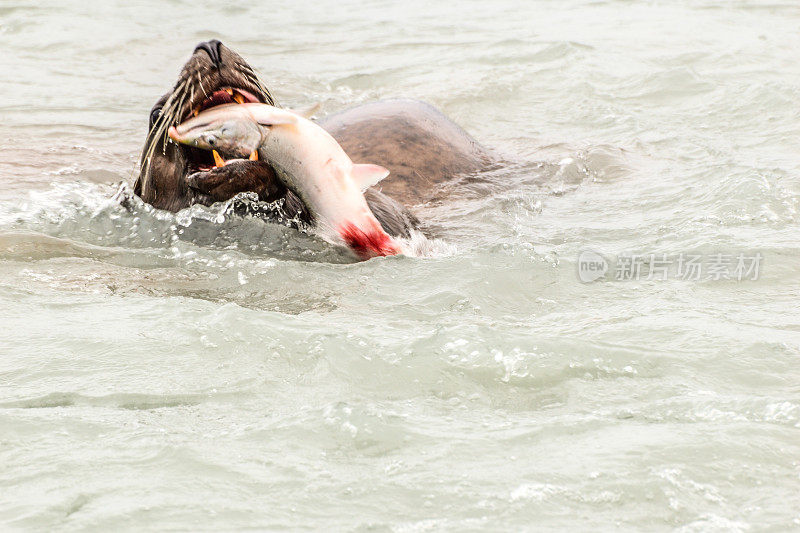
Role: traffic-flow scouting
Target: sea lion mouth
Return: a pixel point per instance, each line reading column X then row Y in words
column 225, row 95
column 203, row 160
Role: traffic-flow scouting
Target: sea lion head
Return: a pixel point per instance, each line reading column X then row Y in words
column 212, row 76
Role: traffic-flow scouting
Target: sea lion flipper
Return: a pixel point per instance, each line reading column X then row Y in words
column 222, row 183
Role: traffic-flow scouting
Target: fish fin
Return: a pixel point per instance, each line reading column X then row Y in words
column 367, row 175
column 271, row 116
column 308, row 112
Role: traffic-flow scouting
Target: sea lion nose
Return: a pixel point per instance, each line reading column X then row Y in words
column 212, row 48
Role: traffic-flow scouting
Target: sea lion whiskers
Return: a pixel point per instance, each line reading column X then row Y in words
column 200, row 81
column 191, row 96
column 173, row 114
column 253, row 78
column 247, row 69
column 168, row 112
column 174, row 117
column 167, row 117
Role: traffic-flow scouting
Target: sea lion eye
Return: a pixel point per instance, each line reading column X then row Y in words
column 154, row 114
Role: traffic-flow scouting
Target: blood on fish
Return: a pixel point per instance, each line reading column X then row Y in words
column 374, row 243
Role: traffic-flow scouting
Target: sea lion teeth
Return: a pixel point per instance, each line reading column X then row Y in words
column 238, row 98
column 196, row 111
column 218, row 159
column 229, row 91
column 254, row 156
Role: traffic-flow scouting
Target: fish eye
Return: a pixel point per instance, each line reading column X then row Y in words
column 211, row 140
column 154, row 115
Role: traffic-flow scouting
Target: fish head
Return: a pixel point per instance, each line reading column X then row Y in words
column 226, row 129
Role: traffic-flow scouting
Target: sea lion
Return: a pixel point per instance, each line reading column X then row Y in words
column 419, row 145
